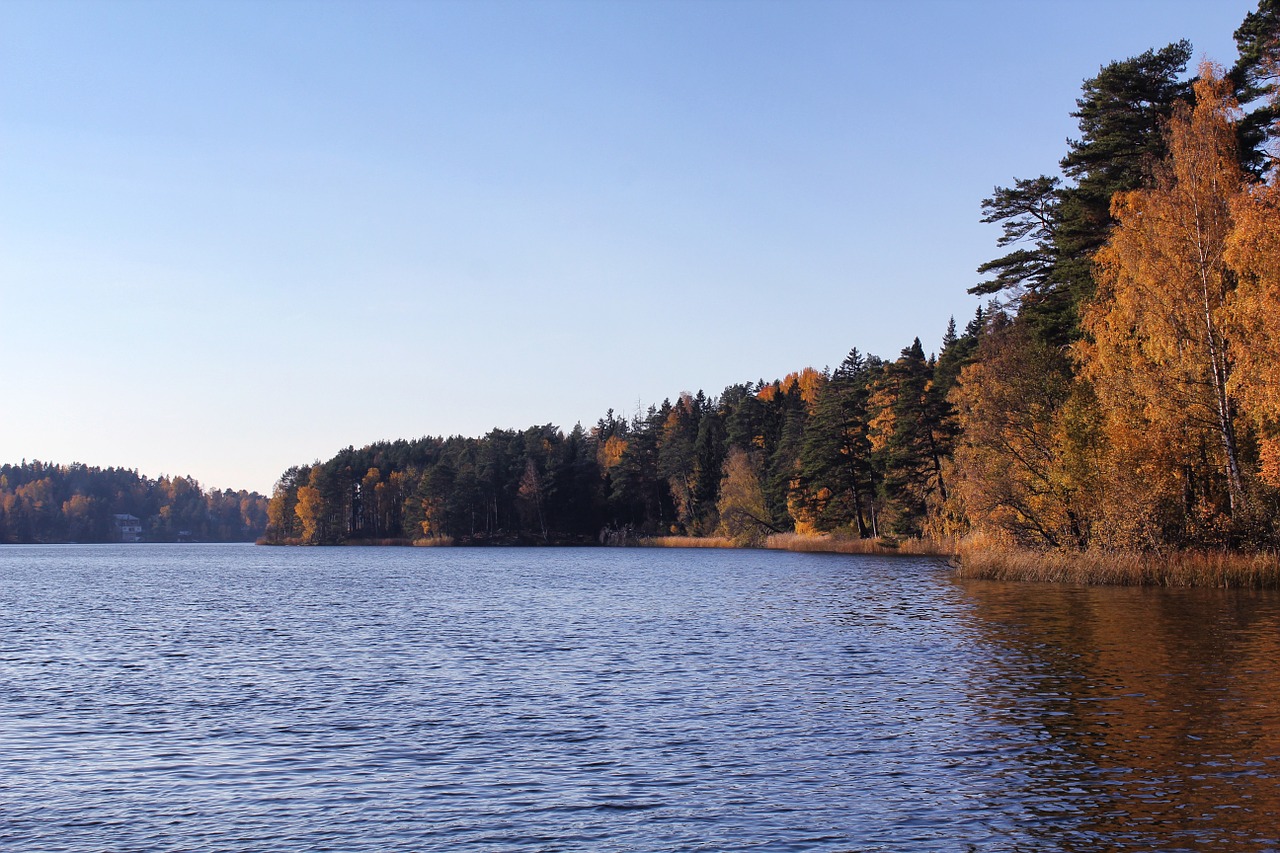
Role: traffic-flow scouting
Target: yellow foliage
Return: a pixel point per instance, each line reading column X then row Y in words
column 1269, row 450
column 609, row 455
column 1014, row 469
column 1253, row 251
column 78, row 506
column 803, row 511
column 881, row 426
column 744, row 517
column 433, row 517
column 310, row 511
column 278, row 512
column 809, row 380
column 811, row 383
column 1157, row 352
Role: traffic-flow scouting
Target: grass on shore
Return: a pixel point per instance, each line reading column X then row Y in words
column 986, row 558
column 685, row 542
column 813, row 544
column 433, row 542
column 841, row 545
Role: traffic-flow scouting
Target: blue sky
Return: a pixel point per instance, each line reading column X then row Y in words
column 240, row 236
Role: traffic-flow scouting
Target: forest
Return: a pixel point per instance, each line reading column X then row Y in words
column 77, row 503
column 1120, row 389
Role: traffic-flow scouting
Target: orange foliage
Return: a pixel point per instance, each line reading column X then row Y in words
column 1253, row 251
column 609, row 456
column 810, row 381
column 1158, row 356
column 1013, row 469
column 802, row 509
column 310, row 511
column 744, row 516
column 881, row 426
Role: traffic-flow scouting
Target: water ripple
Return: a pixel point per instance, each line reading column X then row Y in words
column 193, row 697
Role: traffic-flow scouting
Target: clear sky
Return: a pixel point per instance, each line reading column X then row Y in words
column 240, row 236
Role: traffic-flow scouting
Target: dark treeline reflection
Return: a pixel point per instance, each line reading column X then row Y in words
column 1144, row 718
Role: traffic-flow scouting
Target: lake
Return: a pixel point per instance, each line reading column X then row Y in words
column 157, row 697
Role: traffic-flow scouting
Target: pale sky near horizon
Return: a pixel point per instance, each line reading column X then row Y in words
column 238, row 236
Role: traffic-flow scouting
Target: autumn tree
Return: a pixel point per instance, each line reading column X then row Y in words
column 86, row 519
column 1253, row 254
column 311, row 511
column 283, row 522
column 744, row 517
column 369, row 514
column 918, row 442
column 1159, row 355
column 1016, row 469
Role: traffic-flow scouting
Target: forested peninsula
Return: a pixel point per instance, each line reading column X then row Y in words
column 41, row 502
column 1118, row 394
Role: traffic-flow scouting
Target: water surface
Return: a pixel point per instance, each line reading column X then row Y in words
column 231, row 697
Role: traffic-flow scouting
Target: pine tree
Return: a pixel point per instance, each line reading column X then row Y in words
column 835, row 460
column 1256, row 77
column 1122, row 113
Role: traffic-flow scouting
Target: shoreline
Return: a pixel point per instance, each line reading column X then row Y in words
column 981, row 559
column 975, row 557
column 884, row 546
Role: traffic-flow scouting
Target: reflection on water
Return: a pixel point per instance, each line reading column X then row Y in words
column 238, row 698
column 1146, row 718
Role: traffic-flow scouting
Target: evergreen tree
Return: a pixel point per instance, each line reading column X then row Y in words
column 1056, row 229
column 835, row 461
column 1122, row 112
column 1256, row 77
column 1028, row 216
column 920, row 438
column 708, row 462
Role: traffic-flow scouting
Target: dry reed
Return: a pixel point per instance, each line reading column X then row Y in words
column 433, row 542
column 987, row 558
column 685, row 542
column 841, row 545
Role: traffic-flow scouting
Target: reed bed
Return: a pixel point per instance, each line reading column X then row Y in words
column 1218, row 569
column 841, row 545
column 433, row 542
column 685, row 542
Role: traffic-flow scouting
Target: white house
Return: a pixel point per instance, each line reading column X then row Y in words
column 129, row 527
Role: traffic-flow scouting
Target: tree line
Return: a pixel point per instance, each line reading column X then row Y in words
column 1118, row 390
column 40, row 502
column 1124, row 396
column 859, row 448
